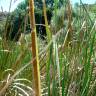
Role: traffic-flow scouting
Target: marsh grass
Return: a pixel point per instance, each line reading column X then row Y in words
column 64, row 70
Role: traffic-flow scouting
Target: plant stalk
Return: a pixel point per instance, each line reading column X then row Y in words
column 36, row 72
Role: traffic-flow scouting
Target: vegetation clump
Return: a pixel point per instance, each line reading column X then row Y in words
column 48, row 48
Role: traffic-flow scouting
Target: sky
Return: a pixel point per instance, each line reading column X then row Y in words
column 84, row 1
column 5, row 3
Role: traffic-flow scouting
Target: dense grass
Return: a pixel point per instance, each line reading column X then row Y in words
column 67, row 65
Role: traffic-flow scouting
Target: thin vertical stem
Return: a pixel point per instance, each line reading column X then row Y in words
column 69, row 20
column 46, row 21
column 36, row 72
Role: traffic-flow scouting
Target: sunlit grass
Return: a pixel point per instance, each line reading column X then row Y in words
column 67, row 67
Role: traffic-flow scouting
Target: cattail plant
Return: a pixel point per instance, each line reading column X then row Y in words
column 36, row 71
column 46, row 22
column 69, row 15
column 49, row 36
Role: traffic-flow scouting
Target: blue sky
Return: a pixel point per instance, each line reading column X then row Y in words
column 5, row 3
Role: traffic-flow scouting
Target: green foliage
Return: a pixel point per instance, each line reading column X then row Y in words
column 69, row 71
